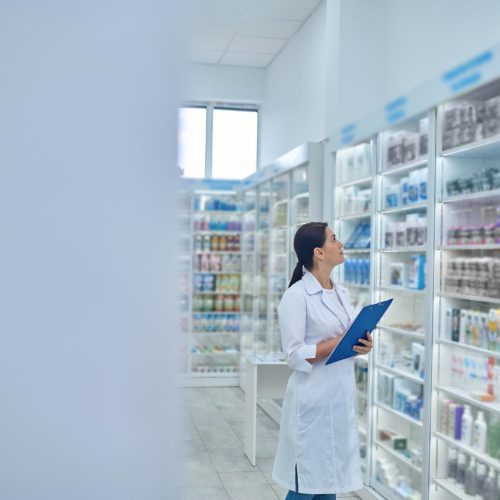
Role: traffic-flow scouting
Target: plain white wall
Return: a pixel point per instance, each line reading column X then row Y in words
column 353, row 56
column 87, row 211
column 387, row 48
column 211, row 82
column 295, row 91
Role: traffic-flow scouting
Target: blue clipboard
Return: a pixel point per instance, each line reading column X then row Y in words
column 367, row 319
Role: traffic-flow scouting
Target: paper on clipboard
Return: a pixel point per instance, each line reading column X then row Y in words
column 367, row 319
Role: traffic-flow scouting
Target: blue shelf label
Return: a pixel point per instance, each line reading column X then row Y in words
column 466, row 75
column 396, row 110
column 348, row 133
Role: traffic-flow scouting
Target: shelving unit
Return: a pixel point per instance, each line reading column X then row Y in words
column 467, row 211
column 352, row 222
column 276, row 201
column 211, row 275
column 403, row 270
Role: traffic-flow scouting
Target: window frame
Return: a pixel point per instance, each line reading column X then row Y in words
column 209, row 127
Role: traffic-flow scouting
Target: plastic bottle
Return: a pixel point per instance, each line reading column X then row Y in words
column 479, row 433
column 466, row 437
column 489, row 488
column 470, row 478
column 494, row 441
column 452, row 463
column 480, row 477
column 461, row 468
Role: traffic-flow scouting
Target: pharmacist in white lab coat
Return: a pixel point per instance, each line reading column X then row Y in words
column 318, row 449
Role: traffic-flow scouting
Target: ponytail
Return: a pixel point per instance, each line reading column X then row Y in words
column 308, row 237
column 297, row 274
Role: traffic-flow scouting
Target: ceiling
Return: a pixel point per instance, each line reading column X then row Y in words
column 243, row 32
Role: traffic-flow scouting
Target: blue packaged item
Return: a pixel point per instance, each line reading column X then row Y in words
column 413, row 187
column 403, row 191
column 416, row 274
column 422, row 186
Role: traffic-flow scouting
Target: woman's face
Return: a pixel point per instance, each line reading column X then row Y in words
column 333, row 249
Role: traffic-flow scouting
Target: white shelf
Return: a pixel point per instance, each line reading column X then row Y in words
column 464, row 396
column 469, row 247
column 300, row 196
column 366, row 181
column 195, row 292
column 420, row 248
column 407, row 208
column 208, row 212
column 482, row 457
column 357, row 250
column 453, row 488
column 400, row 457
column 222, row 353
column 217, row 273
column 363, row 215
column 467, row 347
column 233, row 252
column 493, row 194
column 362, row 429
column 221, row 333
column 473, row 298
column 421, row 162
column 487, row 148
column 399, row 331
column 217, row 312
column 216, row 232
column 409, row 291
column 399, row 414
column 354, row 285
column 400, row 373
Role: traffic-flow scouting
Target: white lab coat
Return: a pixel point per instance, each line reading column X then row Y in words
column 318, row 431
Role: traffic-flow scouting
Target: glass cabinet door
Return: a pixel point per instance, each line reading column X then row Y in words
column 299, row 209
column 278, row 256
column 248, row 258
column 404, row 251
column 261, row 287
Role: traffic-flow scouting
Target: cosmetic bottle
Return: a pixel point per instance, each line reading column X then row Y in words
column 470, row 478
column 489, row 487
column 480, row 477
column 452, row 463
column 466, row 437
column 461, row 468
column 479, row 433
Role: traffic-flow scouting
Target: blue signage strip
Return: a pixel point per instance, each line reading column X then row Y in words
column 396, row 104
column 468, row 66
column 466, row 82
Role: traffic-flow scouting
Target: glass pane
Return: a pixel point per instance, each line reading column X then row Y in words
column 192, row 138
column 234, row 143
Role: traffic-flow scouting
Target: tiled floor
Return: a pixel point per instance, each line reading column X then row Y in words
column 215, row 466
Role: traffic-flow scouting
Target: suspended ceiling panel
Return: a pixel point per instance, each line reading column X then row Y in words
column 244, row 32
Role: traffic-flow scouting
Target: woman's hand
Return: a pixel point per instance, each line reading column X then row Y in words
column 367, row 345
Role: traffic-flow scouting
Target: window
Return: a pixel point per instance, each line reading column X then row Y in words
column 234, row 143
column 218, row 142
column 192, row 141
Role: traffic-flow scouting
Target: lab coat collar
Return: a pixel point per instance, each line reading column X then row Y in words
column 312, row 286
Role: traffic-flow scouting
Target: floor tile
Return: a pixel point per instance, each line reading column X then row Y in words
column 204, row 493
column 247, row 486
column 230, row 460
column 265, row 466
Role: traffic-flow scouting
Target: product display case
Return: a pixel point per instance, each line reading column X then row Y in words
column 282, row 202
column 353, row 225
column 404, row 251
column 466, row 413
column 210, row 263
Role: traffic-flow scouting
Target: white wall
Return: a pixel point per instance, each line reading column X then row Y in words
column 235, row 84
column 87, row 211
column 386, row 48
column 295, row 91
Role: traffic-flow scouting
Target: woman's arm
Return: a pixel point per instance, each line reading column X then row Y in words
column 323, row 349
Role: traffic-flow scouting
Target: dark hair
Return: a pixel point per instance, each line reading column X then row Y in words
column 308, row 237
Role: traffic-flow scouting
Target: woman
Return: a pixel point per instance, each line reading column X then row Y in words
column 318, row 449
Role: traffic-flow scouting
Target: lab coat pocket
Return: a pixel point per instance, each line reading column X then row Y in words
column 312, row 400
